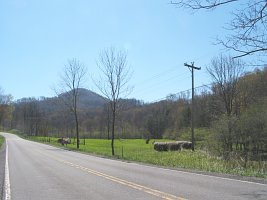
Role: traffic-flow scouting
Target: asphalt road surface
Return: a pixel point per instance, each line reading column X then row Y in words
column 39, row 171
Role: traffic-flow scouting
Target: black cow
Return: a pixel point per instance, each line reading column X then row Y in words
column 64, row 141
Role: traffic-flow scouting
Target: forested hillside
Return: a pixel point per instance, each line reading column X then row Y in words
column 226, row 123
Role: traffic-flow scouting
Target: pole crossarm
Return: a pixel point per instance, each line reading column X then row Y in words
column 192, row 66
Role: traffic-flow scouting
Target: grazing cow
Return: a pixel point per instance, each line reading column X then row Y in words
column 64, row 141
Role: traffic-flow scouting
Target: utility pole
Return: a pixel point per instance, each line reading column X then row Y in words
column 191, row 68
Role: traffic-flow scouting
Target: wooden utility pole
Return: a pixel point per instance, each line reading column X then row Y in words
column 191, row 68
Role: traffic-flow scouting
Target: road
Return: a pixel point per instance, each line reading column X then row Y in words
column 39, row 171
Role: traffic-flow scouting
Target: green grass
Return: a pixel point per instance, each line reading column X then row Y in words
column 137, row 150
column 2, row 140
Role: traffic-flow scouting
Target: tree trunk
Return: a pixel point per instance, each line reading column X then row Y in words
column 113, row 127
column 108, row 125
column 77, row 128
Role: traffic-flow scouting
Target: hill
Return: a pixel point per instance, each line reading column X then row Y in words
column 87, row 99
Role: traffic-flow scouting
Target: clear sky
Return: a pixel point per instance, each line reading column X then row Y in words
column 37, row 37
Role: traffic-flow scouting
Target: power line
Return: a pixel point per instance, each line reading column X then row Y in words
column 158, row 75
column 161, row 83
column 182, row 92
column 150, row 84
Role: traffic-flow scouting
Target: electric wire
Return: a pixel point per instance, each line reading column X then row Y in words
column 159, row 84
column 158, row 75
column 183, row 91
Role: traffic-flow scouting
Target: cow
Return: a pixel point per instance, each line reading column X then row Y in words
column 64, row 141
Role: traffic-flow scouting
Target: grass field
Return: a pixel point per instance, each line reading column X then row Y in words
column 2, row 139
column 138, row 150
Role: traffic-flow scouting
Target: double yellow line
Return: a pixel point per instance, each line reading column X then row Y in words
column 145, row 189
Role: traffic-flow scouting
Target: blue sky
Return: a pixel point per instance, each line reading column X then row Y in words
column 38, row 37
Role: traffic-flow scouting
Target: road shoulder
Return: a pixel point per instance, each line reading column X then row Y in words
column 2, row 168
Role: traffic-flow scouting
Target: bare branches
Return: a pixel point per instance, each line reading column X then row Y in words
column 200, row 4
column 113, row 83
column 248, row 26
column 116, row 74
column 225, row 73
column 249, row 30
column 70, row 81
column 73, row 75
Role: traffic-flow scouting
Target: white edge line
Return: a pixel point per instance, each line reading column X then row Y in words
column 175, row 170
column 7, row 180
column 198, row 174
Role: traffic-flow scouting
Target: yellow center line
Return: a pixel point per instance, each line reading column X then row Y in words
column 142, row 188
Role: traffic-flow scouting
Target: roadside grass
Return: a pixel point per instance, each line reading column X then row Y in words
column 2, row 140
column 137, row 150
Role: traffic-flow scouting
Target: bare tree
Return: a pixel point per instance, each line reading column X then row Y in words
column 248, row 26
column 71, row 80
column 225, row 72
column 113, row 84
column 6, row 109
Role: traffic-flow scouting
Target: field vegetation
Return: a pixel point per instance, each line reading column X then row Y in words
column 2, row 140
column 137, row 150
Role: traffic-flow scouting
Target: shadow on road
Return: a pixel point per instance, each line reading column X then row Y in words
column 259, row 195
